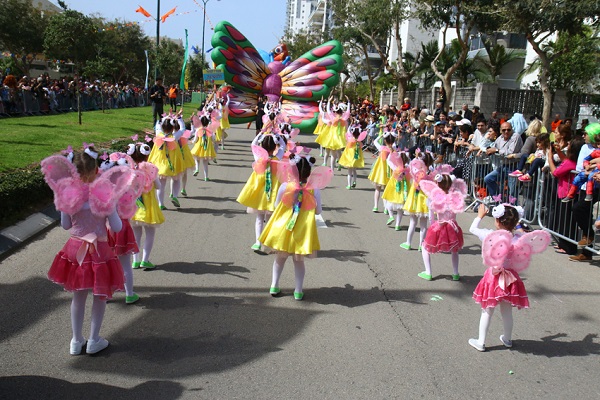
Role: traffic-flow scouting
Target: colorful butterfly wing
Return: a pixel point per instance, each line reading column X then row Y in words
column 312, row 76
column 496, row 247
column 301, row 115
column 242, row 106
column 240, row 62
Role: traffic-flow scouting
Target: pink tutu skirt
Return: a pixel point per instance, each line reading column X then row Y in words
column 443, row 236
column 488, row 292
column 123, row 241
column 100, row 271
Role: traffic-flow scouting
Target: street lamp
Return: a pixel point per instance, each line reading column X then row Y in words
column 203, row 54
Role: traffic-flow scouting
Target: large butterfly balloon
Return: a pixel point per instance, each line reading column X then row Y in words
column 299, row 84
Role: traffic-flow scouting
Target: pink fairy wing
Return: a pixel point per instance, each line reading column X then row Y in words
column 418, row 169
column 395, row 162
column 496, row 247
column 187, row 134
column 455, row 201
column 458, row 185
column 308, row 201
column 362, row 136
column 56, row 168
column 527, row 245
column 108, row 188
column 69, row 195
column 126, row 207
column 150, row 173
column 428, row 187
column 350, row 137
column 196, row 121
column 262, row 157
column 437, row 197
column 294, row 132
column 287, row 172
column 319, row 178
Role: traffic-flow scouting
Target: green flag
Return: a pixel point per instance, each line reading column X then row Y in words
column 185, row 58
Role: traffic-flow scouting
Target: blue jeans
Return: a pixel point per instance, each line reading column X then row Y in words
column 497, row 177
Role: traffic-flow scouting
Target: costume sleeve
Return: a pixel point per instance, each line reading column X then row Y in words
column 377, row 144
column 256, row 139
column 282, row 147
column 280, row 193
column 65, row 221
column 319, row 208
column 481, row 233
column 177, row 135
column 114, row 221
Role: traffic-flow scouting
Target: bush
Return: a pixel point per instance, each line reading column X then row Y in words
column 21, row 193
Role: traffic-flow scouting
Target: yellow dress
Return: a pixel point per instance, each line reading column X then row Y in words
column 186, row 153
column 333, row 136
column 204, row 147
column 225, row 119
column 416, row 203
column 349, row 158
column 253, row 194
column 151, row 213
column 166, row 156
column 381, row 172
column 301, row 240
column 396, row 192
column 320, row 125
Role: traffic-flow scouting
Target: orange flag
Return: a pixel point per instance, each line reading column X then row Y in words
column 143, row 12
column 166, row 15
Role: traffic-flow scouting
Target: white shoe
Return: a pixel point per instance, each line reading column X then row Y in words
column 506, row 343
column 95, row 346
column 76, row 347
column 475, row 344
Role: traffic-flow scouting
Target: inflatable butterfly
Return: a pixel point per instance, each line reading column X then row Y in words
column 300, row 84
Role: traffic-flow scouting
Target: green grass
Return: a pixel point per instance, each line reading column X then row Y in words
column 28, row 140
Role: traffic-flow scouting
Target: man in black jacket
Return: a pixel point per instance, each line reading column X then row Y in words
column 157, row 97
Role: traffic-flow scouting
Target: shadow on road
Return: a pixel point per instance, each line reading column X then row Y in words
column 344, row 255
column 550, row 347
column 38, row 387
column 227, row 213
column 205, row 268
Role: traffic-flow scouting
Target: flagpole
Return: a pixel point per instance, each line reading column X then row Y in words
column 157, row 38
column 203, row 55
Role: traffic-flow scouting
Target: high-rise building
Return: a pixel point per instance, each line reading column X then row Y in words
column 297, row 15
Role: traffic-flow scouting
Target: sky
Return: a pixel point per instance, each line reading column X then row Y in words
column 261, row 21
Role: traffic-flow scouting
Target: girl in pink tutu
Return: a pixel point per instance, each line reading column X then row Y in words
column 87, row 202
column 506, row 255
column 445, row 198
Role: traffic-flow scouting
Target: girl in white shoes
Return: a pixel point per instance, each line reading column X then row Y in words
column 87, row 263
column 506, row 255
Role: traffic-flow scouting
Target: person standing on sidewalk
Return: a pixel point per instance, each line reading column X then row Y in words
column 173, row 93
column 157, row 97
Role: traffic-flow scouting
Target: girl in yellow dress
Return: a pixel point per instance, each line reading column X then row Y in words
column 380, row 172
column 416, row 203
column 260, row 191
column 188, row 160
column 205, row 123
column 148, row 215
column 332, row 136
column 220, row 133
column 292, row 229
column 320, row 124
column 352, row 157
column 396, row 190
column 167, row 157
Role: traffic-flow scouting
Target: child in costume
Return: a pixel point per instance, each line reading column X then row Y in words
column 332, row 138
column 352, row 157
column 586, row 176
column 205, row 123
column 445, row 197
column 505, row 255
column 292, row 229
column 396, row 190
column 166, row 155
column 87, row 202
column 260, row 191
column 320, row 124
column 416, row 203
column 220, row 133
column 188, row 160
column 124, row 241
column 380, row 172
column 148, row 215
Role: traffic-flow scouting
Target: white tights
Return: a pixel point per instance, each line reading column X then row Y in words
column 352, row 176
column 148, row 242
column 261, row 219
column 335, row 154
column 125, row 260
column 204, row 166
column 175, row 186
column 78, row 313
column 299, row 271
column 399, row 214
column 327, row 154
column 413, row 225
column 486, row 318
column 377, row 195
column 427, row 261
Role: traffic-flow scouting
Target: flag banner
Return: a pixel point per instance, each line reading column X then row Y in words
column 147, row 69
column 166, row 15
column 185, row 58
column 143, row 12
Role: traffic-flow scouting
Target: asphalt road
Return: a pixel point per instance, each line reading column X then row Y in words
column 206, row 327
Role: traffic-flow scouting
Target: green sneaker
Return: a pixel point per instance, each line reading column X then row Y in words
column 385, row 211
column 424, row 275
column 195, row 173
column 397, row 228
column 255, row 246
column 353, row 185
column 206, row 179
column 147, row 265
column 175, row 201
column 390, row 220
column 298, row 296
column 405, row 246
column 420, row 248
column 132, row 299
column 135, row 265
column 183, row 192
column 375, row 209
column 456, row 277
column 163, row 207
column 348, row 187
column 274, row 291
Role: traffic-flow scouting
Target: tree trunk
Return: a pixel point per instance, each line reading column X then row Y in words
column 544, row 79
column 402, row 87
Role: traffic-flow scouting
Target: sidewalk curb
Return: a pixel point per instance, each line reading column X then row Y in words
column 18, row 235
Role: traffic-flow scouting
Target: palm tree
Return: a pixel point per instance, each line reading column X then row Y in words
column 497, row 59
column 428, row 53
